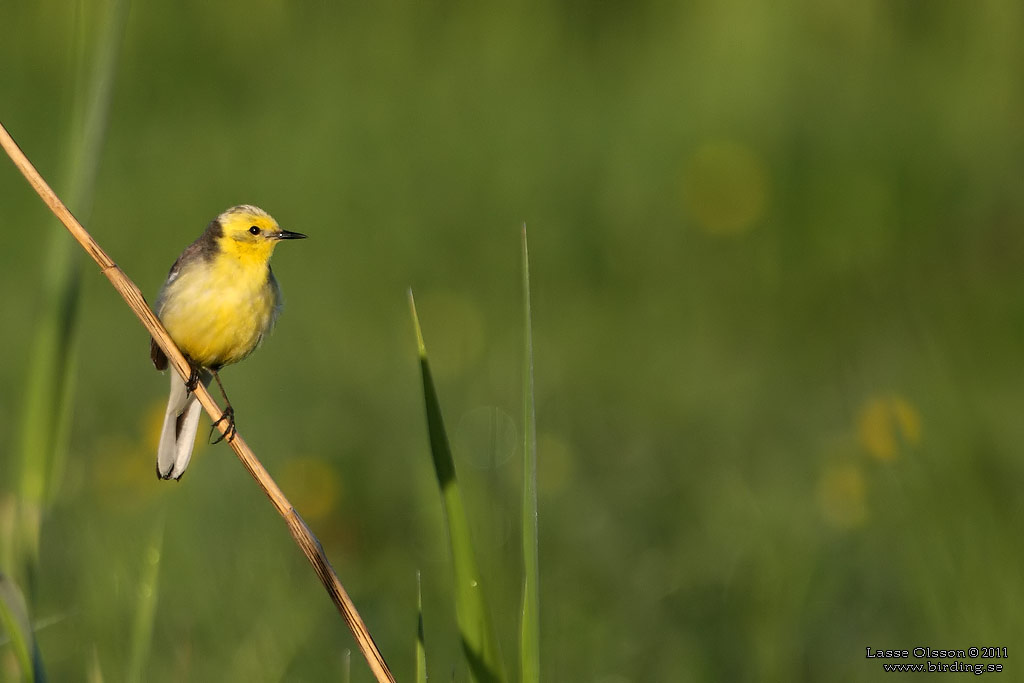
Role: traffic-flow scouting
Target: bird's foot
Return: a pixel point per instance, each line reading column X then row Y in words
column 193, row 381
column 229, row 433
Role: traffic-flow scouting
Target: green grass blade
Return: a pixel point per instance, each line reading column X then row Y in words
column 478, row 637
column 47, row 412
column 421, row 650
column 15, row 620
column 95, row 674
column 529, row 637
column 145, row 613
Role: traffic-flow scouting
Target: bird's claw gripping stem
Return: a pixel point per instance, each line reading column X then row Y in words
column 193, row 381
column 229, row 433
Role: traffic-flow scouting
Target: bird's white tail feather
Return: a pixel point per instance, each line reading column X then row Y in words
column 178, row 436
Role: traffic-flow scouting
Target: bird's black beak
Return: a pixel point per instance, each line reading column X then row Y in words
column 287, row 235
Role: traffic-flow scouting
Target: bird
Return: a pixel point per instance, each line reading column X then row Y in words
column 219, row 300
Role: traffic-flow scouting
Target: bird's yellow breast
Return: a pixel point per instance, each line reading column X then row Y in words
column 218, row 310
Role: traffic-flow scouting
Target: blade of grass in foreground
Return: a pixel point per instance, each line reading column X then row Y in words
column 15, row 620
column 529, row 637
column 145, row 613
column 47, row 400
column 95, row 674
column 478, row 638
column 421, row 651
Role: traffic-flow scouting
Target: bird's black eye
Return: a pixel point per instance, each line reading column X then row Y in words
column 254, row 230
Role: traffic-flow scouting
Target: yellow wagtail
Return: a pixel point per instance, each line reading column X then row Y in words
column 219, row 299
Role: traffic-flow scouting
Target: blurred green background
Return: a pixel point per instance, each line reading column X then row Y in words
column 776, row 266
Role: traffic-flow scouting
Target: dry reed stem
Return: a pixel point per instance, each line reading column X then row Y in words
column 305, row 539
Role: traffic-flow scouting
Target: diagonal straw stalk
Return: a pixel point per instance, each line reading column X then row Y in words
column 304, row 538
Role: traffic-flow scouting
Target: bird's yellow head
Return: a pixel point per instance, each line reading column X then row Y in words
column 249, row 233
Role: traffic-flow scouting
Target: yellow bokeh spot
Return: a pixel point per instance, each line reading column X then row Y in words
column 887, row 423
column 313, row 485
column 725, row 187
column 841, row 496
column 121, row 471
column 153, row 425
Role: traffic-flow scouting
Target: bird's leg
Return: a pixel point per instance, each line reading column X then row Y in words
column 228, row 414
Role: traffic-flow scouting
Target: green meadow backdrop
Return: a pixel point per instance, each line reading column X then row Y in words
column 777, row 262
